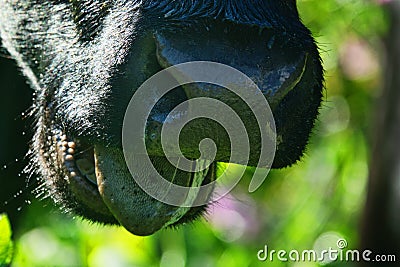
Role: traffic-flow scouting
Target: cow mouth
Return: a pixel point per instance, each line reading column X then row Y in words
column 99, row 179
column 77, row 160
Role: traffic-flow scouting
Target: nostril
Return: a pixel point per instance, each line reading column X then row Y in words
column 277, row 84
column 276, row 69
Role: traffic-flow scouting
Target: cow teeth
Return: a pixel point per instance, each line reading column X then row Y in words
column 85, row 166
column 69, row 158
column 72, row 145
column 77, row 164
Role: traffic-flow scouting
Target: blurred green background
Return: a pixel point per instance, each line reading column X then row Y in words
column 318, row 200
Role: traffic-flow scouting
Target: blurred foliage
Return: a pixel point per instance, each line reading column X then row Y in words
column 296, row 208
column 6, row 244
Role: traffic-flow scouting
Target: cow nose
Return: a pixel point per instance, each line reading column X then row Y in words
column 275, row 73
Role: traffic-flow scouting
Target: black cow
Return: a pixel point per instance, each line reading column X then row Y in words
column 85, row 59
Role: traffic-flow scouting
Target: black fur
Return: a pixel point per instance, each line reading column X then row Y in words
column 85, row 59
